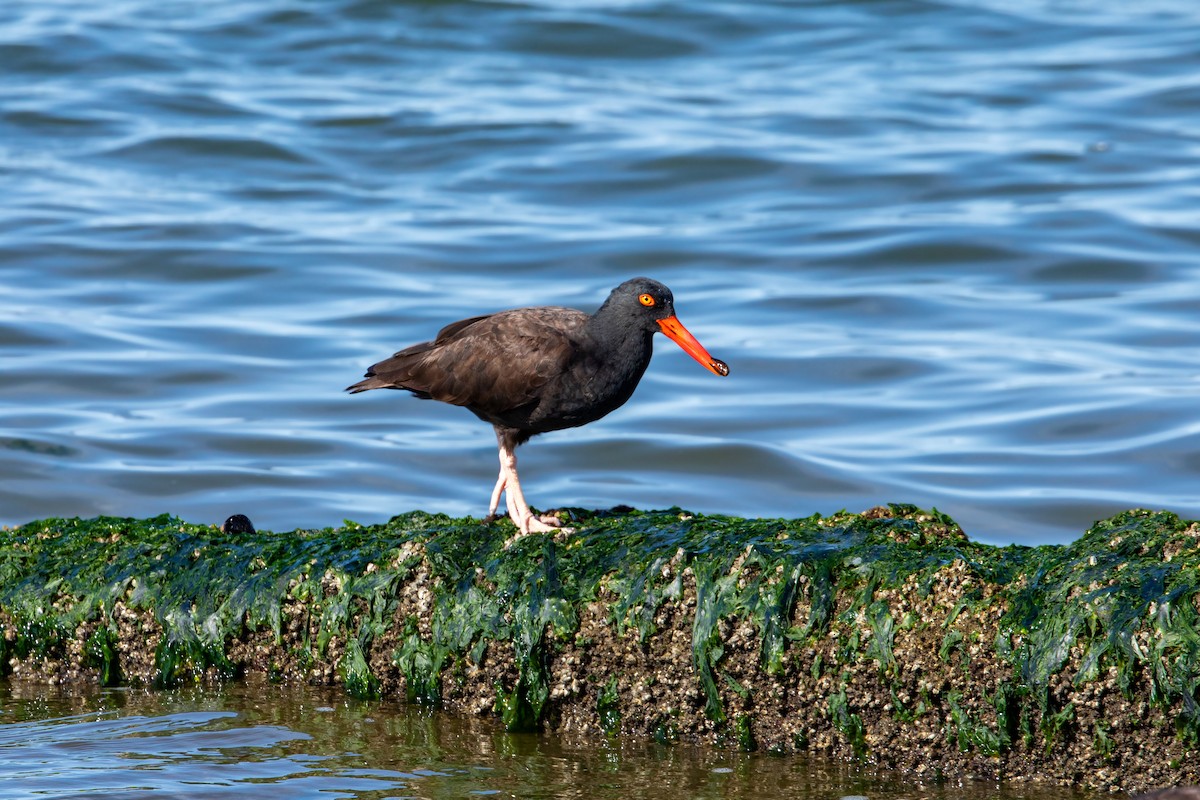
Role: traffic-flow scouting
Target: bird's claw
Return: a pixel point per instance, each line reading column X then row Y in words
column 539, row 523
column 542, row 523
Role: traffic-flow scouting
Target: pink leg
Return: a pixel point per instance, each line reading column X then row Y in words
column 496, row 494
column 514, row 498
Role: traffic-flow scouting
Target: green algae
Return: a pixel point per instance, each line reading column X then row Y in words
column 1126, row 592
column 847, row 723
column 744, row 733
column 1123, row 596
column 100, row 654
column 420, row 662
column 356, row 673
column 203, row 587
column 608, row 708
column 970, row 733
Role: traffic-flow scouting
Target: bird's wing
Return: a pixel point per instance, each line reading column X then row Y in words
column 492, row 364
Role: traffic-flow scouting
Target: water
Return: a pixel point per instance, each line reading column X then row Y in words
column 948, row 248
column 300, row 743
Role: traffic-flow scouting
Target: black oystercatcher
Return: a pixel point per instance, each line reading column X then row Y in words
column 533, row 370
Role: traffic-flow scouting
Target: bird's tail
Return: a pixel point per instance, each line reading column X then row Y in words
column 370, row 382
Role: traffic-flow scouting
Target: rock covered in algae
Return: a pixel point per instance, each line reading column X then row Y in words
column 886, row 636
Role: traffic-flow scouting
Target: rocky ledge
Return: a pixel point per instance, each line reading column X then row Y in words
column 885, row 636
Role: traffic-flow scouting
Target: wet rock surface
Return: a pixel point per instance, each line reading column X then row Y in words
column 886, row 636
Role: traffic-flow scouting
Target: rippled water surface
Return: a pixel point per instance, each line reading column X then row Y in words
column 301, row 743
column 948, row 248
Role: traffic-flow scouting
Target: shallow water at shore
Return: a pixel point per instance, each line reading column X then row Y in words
column 304, row 742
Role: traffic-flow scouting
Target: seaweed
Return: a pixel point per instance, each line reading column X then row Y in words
column 608, row 708
column 847, row 723
column 822, row 596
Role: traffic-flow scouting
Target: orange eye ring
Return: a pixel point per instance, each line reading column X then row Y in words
column 646, row 300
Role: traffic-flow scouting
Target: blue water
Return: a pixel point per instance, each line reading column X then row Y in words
column 949, row 249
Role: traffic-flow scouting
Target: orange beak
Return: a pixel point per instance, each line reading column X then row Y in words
column 673, row 328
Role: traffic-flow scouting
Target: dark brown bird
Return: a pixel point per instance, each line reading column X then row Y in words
column 532, row 370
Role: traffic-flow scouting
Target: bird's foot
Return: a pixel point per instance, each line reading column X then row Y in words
column 536, row 523
column 539, row 523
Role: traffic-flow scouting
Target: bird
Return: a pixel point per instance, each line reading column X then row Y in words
column 538, row 369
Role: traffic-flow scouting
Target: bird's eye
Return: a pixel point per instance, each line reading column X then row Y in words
column 646, row 300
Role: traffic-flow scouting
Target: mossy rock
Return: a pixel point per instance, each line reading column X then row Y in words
column 887, row 635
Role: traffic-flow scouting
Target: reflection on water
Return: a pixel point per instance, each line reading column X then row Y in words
column 302, row 742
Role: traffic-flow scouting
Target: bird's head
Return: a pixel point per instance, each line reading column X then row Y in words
column 651, row 303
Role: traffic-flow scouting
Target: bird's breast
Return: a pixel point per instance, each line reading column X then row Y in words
column 587, row 392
